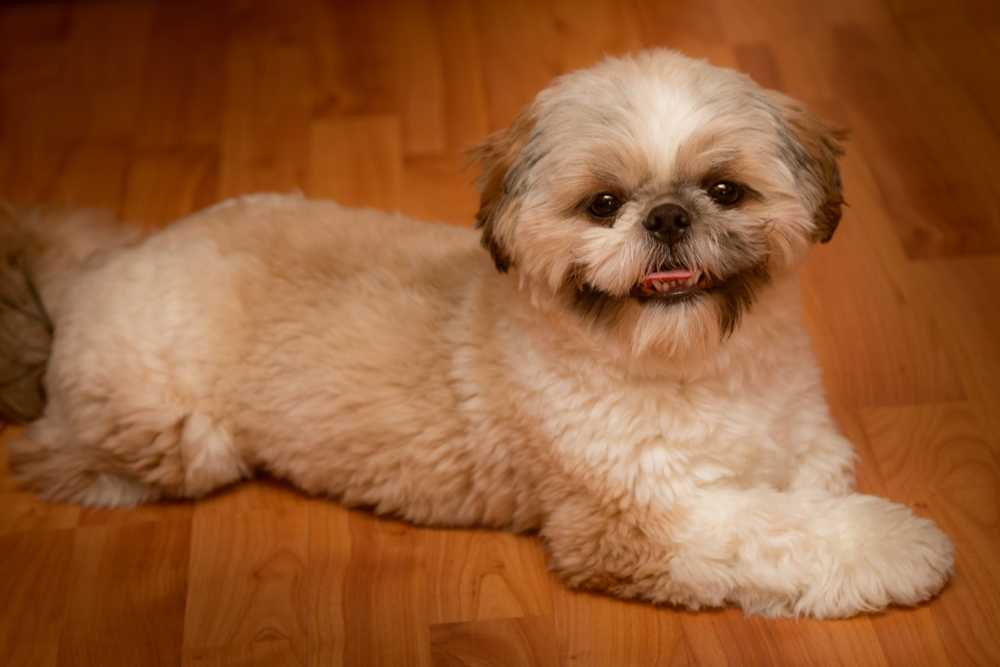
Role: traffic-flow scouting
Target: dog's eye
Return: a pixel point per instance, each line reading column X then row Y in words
column 604, row 205
column 725, row 193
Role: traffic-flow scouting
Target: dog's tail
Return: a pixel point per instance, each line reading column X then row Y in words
column 40, row 251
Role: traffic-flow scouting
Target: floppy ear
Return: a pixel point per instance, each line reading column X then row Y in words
column 814, row 148
column 500, row 157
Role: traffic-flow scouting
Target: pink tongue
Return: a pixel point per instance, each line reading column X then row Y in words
column 668, row 275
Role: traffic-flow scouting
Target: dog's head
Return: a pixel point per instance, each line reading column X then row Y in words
column 658, row 195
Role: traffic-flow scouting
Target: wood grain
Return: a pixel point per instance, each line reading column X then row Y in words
column 125, row 601
column 154, row 109
column 244, row 601
column 528, row 641
column 36, row 569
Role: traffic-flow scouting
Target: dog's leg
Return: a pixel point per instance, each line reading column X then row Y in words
column 770, row 552
column 52, row 461
column 827, row 464
column 146, row 456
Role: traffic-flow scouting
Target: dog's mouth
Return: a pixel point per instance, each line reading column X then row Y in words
column 672, row 284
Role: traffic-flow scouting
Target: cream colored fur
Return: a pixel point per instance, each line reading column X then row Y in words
column 385, row 363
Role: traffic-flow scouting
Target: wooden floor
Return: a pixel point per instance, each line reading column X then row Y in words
column 155, row 109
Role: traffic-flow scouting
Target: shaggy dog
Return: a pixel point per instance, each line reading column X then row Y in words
column 628, row 375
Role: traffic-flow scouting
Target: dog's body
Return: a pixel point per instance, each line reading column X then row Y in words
column 675, row 448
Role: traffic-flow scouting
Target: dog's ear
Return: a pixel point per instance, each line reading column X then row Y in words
column 501, row 159
column 814, row 150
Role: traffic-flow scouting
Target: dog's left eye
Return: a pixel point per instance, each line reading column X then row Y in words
column 604, row 205
column 725, row 193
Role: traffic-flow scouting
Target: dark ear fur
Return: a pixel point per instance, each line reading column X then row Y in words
column 499, row 156
column 815, row 148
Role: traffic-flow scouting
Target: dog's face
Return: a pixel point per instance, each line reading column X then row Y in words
column 656, row 196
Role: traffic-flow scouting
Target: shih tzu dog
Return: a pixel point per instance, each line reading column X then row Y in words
column 628, row 374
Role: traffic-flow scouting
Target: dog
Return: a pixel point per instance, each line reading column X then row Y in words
column 623, row 369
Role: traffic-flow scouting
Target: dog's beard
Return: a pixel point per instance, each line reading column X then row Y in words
column 732, row 296
column 675, row 291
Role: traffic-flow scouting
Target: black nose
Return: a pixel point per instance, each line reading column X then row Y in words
column 667, row 222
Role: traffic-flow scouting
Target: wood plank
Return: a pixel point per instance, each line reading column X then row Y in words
column 248, row 554
column 876, row 338
column 183, row 97
column 386, row 592
column 419, row 75
column 495, row 643
column 150, row 513
column 441, row 189
column 963, row 292
column 728, row 637
column 939, row 460
column 483, row 575
column 125, row 605
column 356, row 160
column 92, row 175
column 35, row 573
column 269, row 101
column 328, row 567
column 164, row 185
column 599, row 630
column 939, row 202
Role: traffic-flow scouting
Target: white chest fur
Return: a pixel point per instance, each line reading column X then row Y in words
column 741, row 420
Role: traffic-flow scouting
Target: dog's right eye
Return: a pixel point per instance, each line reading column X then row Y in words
column 604, row 205
column 725, row 193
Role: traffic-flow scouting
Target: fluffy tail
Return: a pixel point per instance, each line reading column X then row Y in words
column 39, row 250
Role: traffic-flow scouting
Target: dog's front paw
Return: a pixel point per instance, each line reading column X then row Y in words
column 879, row 553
